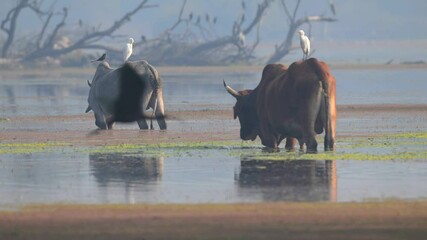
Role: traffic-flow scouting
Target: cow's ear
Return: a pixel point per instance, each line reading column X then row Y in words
column 234, row 112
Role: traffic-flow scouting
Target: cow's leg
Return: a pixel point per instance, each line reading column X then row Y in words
column 100, row 121
column 110, row 124
column 290, row 143
column 270, row 143
column 301, row 144
column 330, row 113
column 268, row 137
column 148, row 91
column 310, row 141
column 308, row 115
column 309, row 135
column 160, row 111
column 269, row 140
column 142, row 123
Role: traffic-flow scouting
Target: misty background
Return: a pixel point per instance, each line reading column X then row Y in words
column 366, row 31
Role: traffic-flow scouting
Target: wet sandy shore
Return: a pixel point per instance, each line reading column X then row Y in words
column 201, row 126
column 387, row 220
column 378, row 220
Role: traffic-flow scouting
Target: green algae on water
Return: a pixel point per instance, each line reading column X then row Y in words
column 226, row 145
column 400, row 146
column 417, row 135
column 280, row 156
column 26, row 148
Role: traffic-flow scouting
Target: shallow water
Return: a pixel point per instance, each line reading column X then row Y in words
column 34, row 96
column 210, row 176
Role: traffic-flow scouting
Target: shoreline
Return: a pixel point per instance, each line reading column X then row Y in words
column 274, row 220
column 60, row 71
column 79, row 130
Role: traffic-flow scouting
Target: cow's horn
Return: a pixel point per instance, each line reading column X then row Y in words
column 231, row 91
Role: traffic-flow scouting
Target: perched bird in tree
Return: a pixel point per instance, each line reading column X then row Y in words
column 241, row 39
column 102, row 58
column 305, row 44
column 143, row 38
column 127, row 51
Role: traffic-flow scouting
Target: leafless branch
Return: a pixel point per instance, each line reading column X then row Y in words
column 179, row 21
column 295, row 11
column 262, row 7
column 234, row 38
column 50, row 42
column 84, row 42
column 11, row 18
column 41, row 35
column 285, row 47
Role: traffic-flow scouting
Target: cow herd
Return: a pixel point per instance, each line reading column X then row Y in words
column 294, row 103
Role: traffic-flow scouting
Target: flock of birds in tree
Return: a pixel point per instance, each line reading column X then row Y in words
column 127, row 51
column 304, row 40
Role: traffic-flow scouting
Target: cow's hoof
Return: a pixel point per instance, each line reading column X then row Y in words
column 270, row 150
column 311, row 151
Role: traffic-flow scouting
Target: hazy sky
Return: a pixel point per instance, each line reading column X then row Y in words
column 358, row 20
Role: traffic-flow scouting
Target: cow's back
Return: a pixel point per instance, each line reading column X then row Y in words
column 106, row 91
column 270, row 73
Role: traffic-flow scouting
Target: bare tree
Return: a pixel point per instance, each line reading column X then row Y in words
column 9, row 24
column 170, row 45
column 237, row 37
column 191, row 40
column 197, row 43
column 285, row 47
column 88, row 41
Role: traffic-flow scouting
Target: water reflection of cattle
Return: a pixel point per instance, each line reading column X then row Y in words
column 298, row 180
column 123, row 94
column 127, row 168
column 295, row 102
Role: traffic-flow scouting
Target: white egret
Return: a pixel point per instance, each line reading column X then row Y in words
column 241, row 39
column 128, row 49
column 305, row 44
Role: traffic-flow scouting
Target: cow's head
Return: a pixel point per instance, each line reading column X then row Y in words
column 245, row 110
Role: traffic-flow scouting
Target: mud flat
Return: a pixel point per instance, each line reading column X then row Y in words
column 61, row 178
column 385, row 220
column 202, row 126
column 365, row 126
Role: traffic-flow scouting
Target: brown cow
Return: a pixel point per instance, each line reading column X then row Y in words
column 294, row 103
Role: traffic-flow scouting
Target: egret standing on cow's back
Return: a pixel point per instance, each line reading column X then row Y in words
column 305, row 44
column 128, row 49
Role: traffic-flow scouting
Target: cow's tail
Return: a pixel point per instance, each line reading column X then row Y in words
column 327, row 118
column 155, row 83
